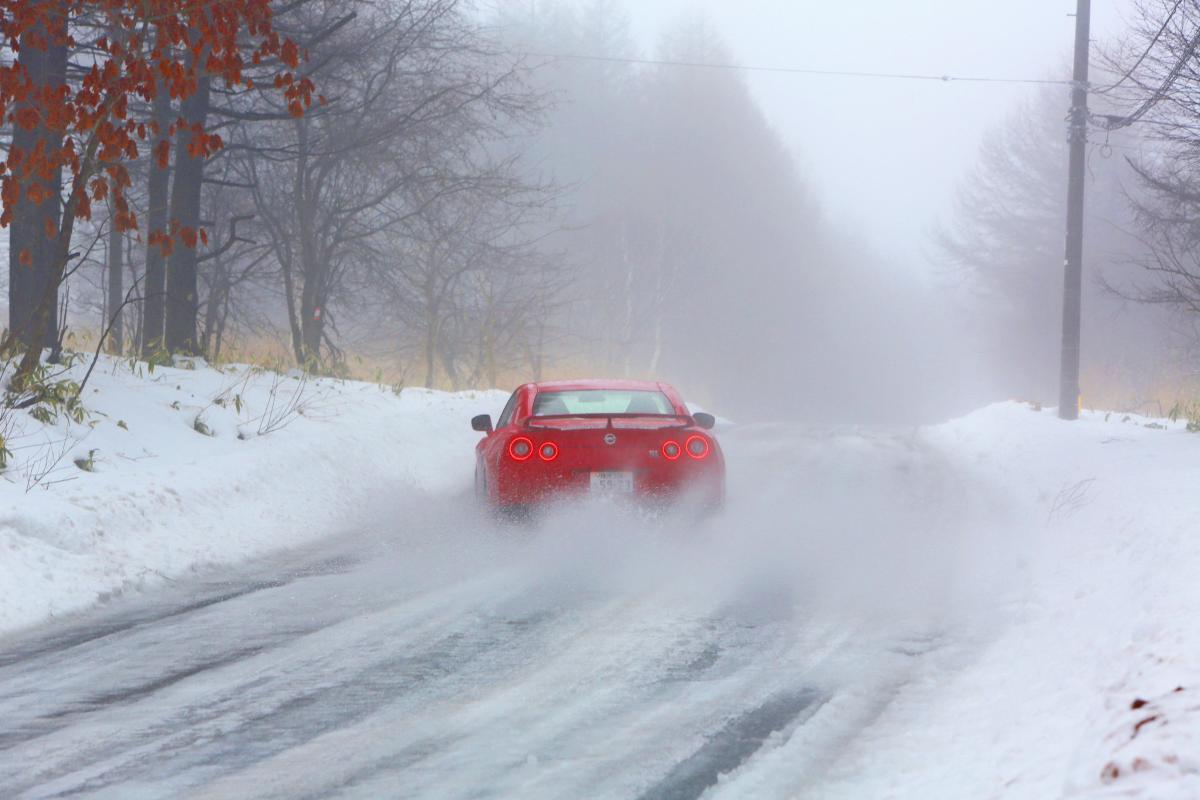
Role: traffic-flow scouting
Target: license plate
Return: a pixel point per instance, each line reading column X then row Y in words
column 612, row 482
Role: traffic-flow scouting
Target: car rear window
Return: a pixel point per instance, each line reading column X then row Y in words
column 600, row 401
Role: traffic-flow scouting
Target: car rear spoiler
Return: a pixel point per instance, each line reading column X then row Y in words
column 684, row 420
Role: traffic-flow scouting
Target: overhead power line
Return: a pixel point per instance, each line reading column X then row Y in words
column 1146, row 54
column 1114, row 122
column 828, row 73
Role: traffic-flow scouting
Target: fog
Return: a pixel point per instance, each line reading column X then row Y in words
column 561, row 188
column 821, row 288
column 886, row 156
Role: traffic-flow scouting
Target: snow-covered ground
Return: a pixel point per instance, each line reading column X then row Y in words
column 1087, row 681
column 187, row 468
column 999, row 606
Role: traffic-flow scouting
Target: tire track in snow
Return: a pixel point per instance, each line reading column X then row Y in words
column 405, row 732
column 320, row 679
column 77, row 634
column 40, row 699
column 605, row 718
column 736, row 742
column 69, row 712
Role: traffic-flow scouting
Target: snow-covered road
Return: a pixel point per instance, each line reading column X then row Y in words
column 996, row 606
column 599, row 655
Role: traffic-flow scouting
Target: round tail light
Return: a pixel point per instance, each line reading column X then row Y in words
column 671, row 451
column 697, row 447
column 548, row 451
column 520, row 449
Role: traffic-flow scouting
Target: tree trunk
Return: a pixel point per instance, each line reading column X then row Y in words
column 218, row 294
column 312, row 321
column 534, row 350
column 660, row 309
column 133, row 320
column 430, row 348
column 116, row 284
column 222, row 321
column 627, row 323
column 451, row 370
column 155, row 287
column 489, row 355
column 182, row 286
column 62, row 253
column 33, row 288
column 209, row 329
column 312, row 268
column 289, row 293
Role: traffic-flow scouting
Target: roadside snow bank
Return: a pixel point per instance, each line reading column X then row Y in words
column 1091, row 686
column 179, row 468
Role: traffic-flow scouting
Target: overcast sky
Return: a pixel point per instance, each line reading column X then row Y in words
column 885, row 156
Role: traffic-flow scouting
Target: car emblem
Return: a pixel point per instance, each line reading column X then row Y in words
column 610, row 438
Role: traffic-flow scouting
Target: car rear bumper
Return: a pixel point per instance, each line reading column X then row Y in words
column 703, row 487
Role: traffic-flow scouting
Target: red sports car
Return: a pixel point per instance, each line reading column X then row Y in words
column 607, row 437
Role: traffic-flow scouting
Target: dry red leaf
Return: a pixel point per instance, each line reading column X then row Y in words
column 91, row 125
column 1138, row 727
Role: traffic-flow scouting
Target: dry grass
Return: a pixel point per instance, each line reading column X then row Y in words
column 1154, row 395
column 276, row 354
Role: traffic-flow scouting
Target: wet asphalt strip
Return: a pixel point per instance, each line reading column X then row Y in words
column 93, row 627
column 295, row 721
column 65, row 716
column 730, row 746
column 734, row 744
column 68, row 638
column 86, row 633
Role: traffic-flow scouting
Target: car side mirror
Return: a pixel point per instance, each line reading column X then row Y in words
column 482, row 423
column 705, row 421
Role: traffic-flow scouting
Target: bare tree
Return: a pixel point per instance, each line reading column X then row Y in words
column 469, row 275
column 413, row 94
column 1159, row 67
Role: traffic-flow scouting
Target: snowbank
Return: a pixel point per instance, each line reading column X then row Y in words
column 1090, row 685
column 181, row 468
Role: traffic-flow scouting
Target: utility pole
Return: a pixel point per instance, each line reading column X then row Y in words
column 1068, row 400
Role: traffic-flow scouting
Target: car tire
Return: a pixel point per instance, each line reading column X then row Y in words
column 481, row 490
column 515, row 515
